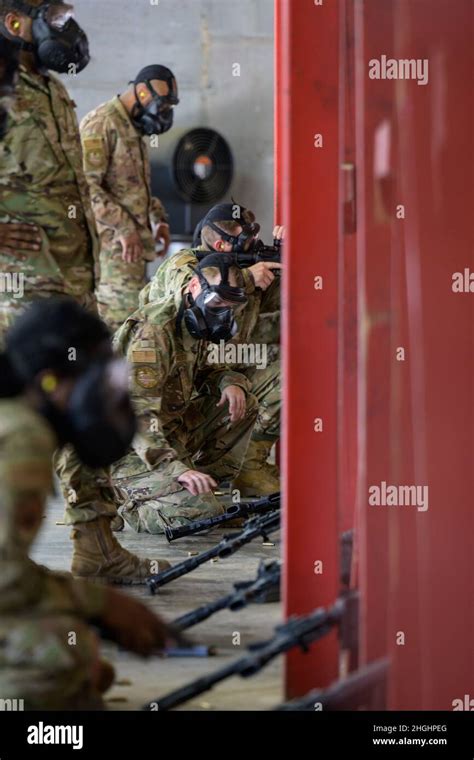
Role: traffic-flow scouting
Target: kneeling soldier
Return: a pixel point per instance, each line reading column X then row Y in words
column 230, row 228
column 196, row 418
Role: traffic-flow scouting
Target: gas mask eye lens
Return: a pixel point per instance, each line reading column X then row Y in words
column 58, row 16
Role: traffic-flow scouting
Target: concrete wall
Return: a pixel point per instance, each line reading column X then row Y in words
column 200, row 40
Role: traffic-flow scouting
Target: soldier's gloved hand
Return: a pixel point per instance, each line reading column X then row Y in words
column 197, row 482
column 262, row 273
column 163, row 236
column 237, row 400
column 132, row 248
column 14, row 236
column 133, row 626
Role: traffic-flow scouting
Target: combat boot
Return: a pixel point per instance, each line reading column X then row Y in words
column 257, row 477
column 98, row 555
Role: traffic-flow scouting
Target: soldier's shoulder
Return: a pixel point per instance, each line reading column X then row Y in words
column 160, row 316
column 21, row 426
column 99, row 118
column 61, row 90
column 154, row 323
column 185, row 259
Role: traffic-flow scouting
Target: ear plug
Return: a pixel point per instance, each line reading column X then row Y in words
column 49, row 384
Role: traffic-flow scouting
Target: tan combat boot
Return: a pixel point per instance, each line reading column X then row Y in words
column 98, row 555
column 257, row 477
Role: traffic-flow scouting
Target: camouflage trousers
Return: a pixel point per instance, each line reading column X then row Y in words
column 48, row 662
column 119, row 286
column 151, row 500
column 87, row 493
column 266, row 387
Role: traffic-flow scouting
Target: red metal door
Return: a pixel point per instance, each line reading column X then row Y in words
column 386, row 335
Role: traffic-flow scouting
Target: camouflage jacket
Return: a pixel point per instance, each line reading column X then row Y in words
column 117, row 167
column 27, row 590
column 260, row 320
column 167, row 371
column 42, row 182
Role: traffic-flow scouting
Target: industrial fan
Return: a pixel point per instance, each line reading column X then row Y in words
column 190, row 173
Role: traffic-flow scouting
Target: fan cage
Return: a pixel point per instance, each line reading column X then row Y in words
column 192, row 147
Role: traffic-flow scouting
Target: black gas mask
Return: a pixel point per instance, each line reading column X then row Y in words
column 157, row 116
column 8, row 77
column 59, row 43
column 209, row 316
column 99, row 421
column 231, row 212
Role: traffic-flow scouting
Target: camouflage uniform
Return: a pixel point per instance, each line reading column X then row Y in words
column 39, row 609
column 42, row 183
column 117, row 167
column 176, row 393
column 259, row 323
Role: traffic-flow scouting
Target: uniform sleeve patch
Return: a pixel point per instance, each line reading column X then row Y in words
column 146, row 377
column 94, row 153
column 93, row 143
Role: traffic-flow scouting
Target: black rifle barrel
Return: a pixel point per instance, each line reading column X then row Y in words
column 235, row 511
column 268, row 577
column 270, row 255
column 258, row 526
column 260, row 252
column 298, row 631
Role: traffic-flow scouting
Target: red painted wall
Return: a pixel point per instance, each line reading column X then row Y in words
column 387, row 285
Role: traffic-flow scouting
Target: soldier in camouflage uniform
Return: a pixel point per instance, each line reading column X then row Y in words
column 259, row 325
column 48, row 247
column 189, row 439
column 42, row 184
column 49, row 655
column 117, row 168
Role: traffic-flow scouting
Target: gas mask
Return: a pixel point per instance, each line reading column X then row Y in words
column 59, row 43
column 8, row 76
column 157, row 116
column 99, row 421
column 232, row 212
column 242, row 243
column 209, row 316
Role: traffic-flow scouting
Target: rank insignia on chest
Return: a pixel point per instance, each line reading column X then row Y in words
column 146, row 377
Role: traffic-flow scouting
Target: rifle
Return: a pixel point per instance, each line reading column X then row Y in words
column 246, row 592
column 296, row 632
column 235, row 511
column 259, row 252
column 257, row 526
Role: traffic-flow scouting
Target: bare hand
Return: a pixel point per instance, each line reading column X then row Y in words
column 197, row 482
column 163, row 236
column 262, row 273
column 132, row 248
column 236, row 398
column 133, row 626
column 19, row 237
column 279, row 232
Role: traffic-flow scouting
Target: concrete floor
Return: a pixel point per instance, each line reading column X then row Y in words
column 141, row 682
